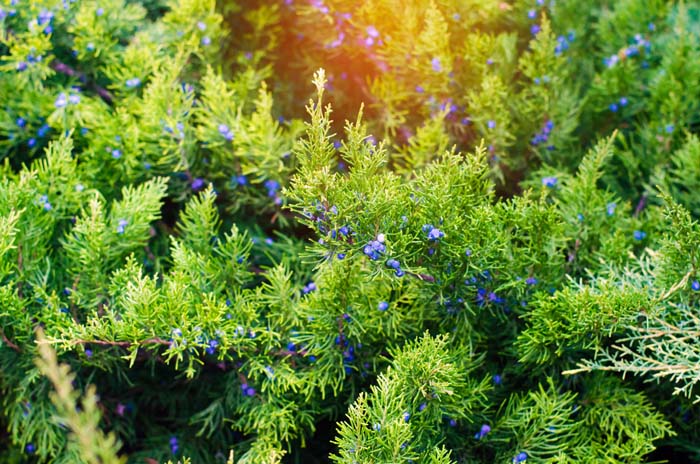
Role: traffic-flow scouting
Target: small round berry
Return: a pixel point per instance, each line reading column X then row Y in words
column 549, row 182
column 383, row 306
column 610, row 208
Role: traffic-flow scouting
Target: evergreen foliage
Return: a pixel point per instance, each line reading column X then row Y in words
column 478, row 244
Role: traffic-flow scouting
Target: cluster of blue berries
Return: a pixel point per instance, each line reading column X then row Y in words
column 308, row 288
column 133, row 82
column 44, row 19
column 10, row 13
column 520, row 457
column 483, row 296
column 174, row 445
column 211, row 348
column 247, row 390
column 63, row 100
column 206, row 40
column 396, row 266
column 485, row 429
column 563, row 43
column 543, row 135
column 433, row 233
column 640, row 43
column 41, row 132
column 615, row 106
column 225, row 132
column 532, row 14
column 121, row 226
column 31, row 59
column 639, row 235
column 272, row 187
column 44, row 203
column 348, row 350
column 375, row 248
column 180, row 129
column 116, row 152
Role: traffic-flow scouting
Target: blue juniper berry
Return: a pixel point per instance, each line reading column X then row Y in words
column 485, row 429
column 121, row 225
column 610, row 208
column 211, row 349
column 225, row 132
column 549, row 182
column 374, row 249
column 639, row 235
column 198, row 183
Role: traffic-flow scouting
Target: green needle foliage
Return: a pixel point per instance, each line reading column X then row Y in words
column 489, row 255
column 90, row 443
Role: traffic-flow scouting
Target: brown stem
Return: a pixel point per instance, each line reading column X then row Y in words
column 20, row 264
column 640, row 205
column 8, row 342
column 150, row 341
column 63, row 68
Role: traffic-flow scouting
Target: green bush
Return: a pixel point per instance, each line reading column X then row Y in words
column 493, row 260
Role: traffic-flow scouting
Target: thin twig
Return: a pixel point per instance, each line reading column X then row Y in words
column 8, row 342
column 63, row 68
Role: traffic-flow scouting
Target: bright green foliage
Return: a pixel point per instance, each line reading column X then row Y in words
column 462, row 267
column 89, row 444
column 398, row 419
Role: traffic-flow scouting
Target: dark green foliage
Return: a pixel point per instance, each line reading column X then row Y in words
column 489, row 255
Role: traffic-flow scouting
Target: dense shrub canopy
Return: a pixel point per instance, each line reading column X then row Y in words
column 387, row 231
